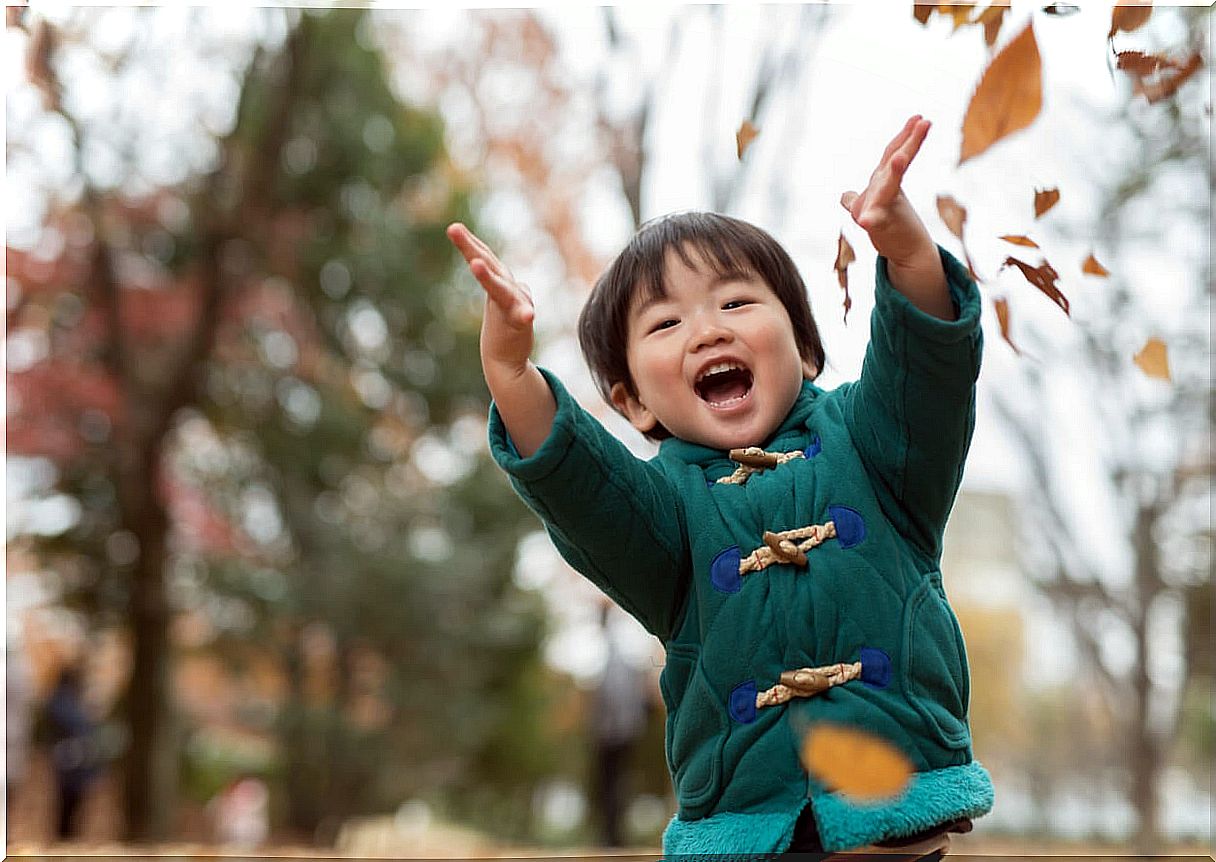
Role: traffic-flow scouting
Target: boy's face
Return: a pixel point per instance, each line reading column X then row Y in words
column 715, row 362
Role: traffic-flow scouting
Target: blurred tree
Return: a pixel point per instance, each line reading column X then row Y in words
column 1151, row 439
column 261, row 387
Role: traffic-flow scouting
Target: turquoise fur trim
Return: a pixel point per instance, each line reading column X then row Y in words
column 931, row 798
column 729, row 837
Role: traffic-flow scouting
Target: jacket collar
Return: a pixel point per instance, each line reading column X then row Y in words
column 702, row 456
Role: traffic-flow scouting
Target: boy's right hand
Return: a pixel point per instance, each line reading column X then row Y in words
column 506, row 327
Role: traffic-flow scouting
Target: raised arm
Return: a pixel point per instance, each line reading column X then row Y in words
column 519, row 390
column 912, row 412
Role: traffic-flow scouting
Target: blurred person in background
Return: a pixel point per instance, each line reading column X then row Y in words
column 71, row 733
column 18, row 697
column 618, row 721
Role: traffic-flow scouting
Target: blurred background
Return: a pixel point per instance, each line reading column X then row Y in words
column 265, row 587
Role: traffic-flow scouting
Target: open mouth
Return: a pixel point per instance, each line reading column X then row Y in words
column 724, row 384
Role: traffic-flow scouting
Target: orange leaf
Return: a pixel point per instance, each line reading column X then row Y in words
column 1168, row 79
column 1153, row 359
column 1045, row 199
column 1008, row 98
column 953, row 214
column 922, row 11
column 1043, row 277
column 992, row 18
column 1002, row 317
column 1092, row 267
column 960, row 12
column 1128, row 17
column 844, row 257
column 1020, row 240
column 855, row 763
column 743, row 138
column 1138, row 63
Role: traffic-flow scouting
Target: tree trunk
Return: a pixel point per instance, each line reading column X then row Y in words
column 147, row 802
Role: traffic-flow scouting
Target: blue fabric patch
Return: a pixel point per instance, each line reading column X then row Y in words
column 709, row 483
column 875, row 667
column 724, row 571
column 742, row 702
column 814, row 449
column 850, row 528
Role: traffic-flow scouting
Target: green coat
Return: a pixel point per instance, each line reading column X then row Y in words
column 883, row 461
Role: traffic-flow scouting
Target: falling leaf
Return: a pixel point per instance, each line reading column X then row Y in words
column 1061, row 9
column 1092, row 267
column 1020, row 240
column 1043, row 277
column 1128, row 17
column 1002, row 317
column 743, row 138
column 855, row 763
column 1138, row 63
column 992, row 18
column 922, row 11
column 1153, row 359
column 1169, row 77
column 960, row 12
column 844, row 256
column 953, row 214
column 1045, row 199
column 1008, row 98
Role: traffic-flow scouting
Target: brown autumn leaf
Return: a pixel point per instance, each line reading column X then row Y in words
column 922, row 11
column 953, row 214
column 1020, row 240
column 1002, row 317
column 1138, row 63
column 1045, row 199
column 855, row 763
column 1153, row 359
column 992, row 18
column 1044, row 278
column 1008, row 98
column 1092, row 267
column 744, row 137
column 1168, row 79
column 844, row 257
column 1129, row 16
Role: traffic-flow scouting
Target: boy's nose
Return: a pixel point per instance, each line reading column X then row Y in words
column 708, row 333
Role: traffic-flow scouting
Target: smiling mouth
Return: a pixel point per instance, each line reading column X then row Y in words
column 726, row 387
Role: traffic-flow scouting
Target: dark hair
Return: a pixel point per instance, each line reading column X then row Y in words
column 728, row 245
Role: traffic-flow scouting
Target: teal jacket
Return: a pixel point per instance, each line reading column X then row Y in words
column 882, row 459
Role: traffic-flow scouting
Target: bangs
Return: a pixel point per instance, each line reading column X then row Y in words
column 700, row 243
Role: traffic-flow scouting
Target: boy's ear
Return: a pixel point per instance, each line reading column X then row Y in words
column 809, row 369
column 628, row 405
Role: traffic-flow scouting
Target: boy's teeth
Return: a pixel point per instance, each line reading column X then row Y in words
column 719, row 367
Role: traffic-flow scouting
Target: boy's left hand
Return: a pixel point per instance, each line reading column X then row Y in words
column 883, row 211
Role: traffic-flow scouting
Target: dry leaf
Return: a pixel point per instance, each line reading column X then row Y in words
column 844, row 257
column 922, row 11
column 1045, row 199
column 1020, row 240
column 1061, row 9
column 1138, row 63
column 960, row 12
column 743, row 138
column 1008, row 98
column 1092, row 267
column 953, row 214
column 1153, row 359
column 1168, row 78
column 1128, row 17
column 855, row 763
column 1044, row 278
column 992, row 18
column 1002, row 317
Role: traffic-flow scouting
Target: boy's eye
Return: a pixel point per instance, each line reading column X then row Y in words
column 736, row 303
column 664, row 324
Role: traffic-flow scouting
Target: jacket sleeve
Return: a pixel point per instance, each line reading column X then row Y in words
column 614, row 517
column 912, row 412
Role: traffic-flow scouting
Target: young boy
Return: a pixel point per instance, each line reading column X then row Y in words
column 792, row 584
